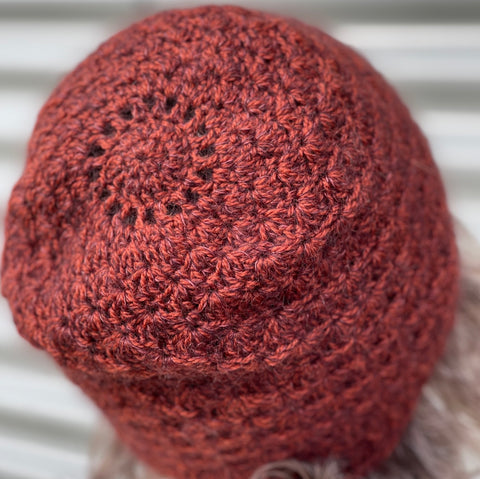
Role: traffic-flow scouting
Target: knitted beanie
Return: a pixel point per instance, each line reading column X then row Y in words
column 231, row 235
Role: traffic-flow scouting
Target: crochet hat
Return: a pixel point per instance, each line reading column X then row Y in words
column 231, row 234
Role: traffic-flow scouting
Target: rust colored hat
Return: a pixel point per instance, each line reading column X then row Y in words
column 231, row 234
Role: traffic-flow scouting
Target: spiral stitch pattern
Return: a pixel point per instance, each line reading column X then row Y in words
column 231, row 234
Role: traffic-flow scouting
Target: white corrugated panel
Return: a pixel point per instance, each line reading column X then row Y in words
column 430, row 50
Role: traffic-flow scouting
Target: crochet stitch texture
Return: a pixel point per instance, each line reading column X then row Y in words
column 231, row 234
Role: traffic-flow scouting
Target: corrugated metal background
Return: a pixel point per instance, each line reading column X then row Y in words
column 430, row 50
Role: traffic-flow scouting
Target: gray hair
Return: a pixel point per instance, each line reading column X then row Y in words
column 442, row 437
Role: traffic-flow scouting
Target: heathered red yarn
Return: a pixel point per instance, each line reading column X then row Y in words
column 232, row 236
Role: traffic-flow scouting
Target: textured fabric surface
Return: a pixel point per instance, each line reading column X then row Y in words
column 232, row 236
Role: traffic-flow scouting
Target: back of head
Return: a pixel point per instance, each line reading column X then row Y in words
column 231, row 234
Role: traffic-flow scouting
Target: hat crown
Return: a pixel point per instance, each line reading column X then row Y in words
column 186, row 196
